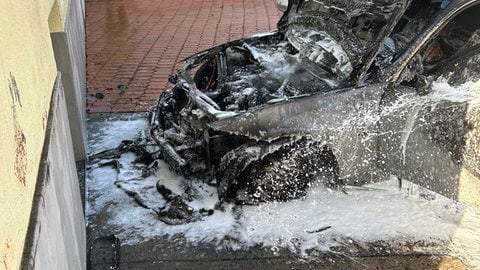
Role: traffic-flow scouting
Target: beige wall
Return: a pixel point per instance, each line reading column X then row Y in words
column 27, row 76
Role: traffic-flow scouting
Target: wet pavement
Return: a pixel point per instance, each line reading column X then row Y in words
column 134, row 45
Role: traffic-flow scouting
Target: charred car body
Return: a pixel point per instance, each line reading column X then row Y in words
column 266, row 116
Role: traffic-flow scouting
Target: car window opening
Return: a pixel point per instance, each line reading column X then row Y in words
column 452, row 54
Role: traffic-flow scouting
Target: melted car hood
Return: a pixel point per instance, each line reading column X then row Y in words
column 342, row 37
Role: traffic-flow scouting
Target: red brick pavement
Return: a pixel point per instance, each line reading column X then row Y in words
column 133, row 45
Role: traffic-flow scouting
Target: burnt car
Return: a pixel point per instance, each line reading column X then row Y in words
column 323, row 99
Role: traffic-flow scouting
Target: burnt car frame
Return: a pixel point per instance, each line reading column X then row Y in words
column 266, row 116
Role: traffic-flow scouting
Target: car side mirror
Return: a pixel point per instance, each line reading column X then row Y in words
column 282, row 5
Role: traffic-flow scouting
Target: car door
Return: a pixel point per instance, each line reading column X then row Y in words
column 426, row 133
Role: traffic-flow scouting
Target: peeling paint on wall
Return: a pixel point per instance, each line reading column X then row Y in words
column 14, row 91
column 7, row 249
column 20, row 165
column 44, row 120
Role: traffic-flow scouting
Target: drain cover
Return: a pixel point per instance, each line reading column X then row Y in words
column 105, row 253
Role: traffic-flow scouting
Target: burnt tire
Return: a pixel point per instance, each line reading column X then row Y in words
column 234, row 162
column 283, row 174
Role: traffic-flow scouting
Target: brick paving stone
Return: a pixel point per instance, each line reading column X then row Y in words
column 134, row 45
